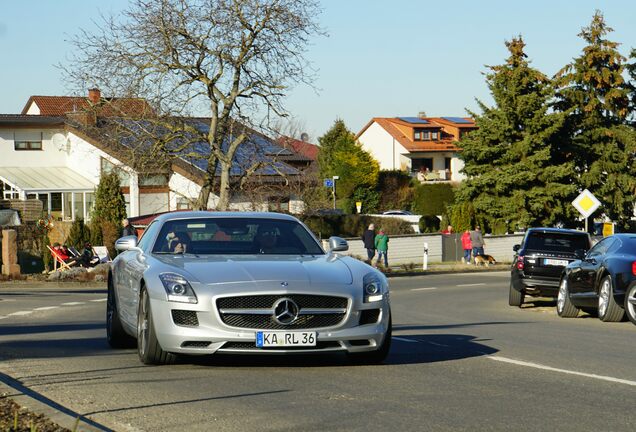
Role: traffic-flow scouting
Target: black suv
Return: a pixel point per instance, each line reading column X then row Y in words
column 540, row 259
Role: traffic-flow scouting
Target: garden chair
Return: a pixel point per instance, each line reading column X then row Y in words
column 102, row 253
column 58, row 263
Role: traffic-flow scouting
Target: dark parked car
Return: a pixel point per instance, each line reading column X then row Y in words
column 540, row 259
column 602, row 280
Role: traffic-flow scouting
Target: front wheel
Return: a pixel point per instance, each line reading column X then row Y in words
column 630, row 304
column 608, row 309
column 515, row 298
column 148, row 347
column 565, row 308
column 115, row 334
column 377, row 356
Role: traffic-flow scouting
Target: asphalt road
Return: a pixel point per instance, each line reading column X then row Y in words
column 461, row 359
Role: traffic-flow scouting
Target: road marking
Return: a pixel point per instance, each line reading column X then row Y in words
column 73, row 303
column 424, row 289
column 46, row 308
column 467, row 285
column 99, row 300
column 403, row 339
column 565, row 371
column 19, row 313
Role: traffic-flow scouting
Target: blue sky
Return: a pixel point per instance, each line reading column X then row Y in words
column 381, row 58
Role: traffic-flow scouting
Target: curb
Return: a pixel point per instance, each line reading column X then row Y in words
column 40, row 404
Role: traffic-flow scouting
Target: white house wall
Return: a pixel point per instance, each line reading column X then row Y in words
column 85, row 159
column 150, row 203
column 48, row 156
column 383, row 147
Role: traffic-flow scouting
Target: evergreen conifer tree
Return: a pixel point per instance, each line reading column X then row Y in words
column 340, row 155
column 594, row 95
column 108, row 212
column 513, row 180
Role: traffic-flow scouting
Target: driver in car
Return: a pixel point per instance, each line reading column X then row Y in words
column 266, row 239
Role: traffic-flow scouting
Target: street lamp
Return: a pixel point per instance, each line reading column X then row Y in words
column 334, row 190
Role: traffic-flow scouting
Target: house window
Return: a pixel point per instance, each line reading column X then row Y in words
column 183, row 204
column 153, row 180
column 108, row 167
column 27, row 140
column 434, row 136
column 28, row 145
column 422, row 165
column 277, row 204
column 56, row 205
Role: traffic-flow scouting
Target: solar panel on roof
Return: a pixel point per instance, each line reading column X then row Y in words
column 459, row 120
column 413, row 120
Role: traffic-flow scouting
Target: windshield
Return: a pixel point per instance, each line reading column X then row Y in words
column 235, row 236
column 557, row 242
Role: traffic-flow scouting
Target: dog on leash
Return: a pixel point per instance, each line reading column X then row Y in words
column 484, row 260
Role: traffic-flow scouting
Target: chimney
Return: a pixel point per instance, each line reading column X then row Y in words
column 94, row 95
column 422, row 114
column 304, row 137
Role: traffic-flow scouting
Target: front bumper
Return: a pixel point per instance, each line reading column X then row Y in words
column 354, row 334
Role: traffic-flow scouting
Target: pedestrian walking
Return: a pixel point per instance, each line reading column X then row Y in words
column 477, row 240
column 368, row 238
column 128, row 229
column 466, row 245
column 382, row 246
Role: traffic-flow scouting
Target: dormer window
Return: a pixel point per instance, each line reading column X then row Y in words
column 421, row 135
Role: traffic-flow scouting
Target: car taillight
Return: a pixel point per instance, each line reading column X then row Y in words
column 520, row 263
column 634, row 268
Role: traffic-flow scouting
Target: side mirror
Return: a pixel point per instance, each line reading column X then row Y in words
column 338, row 244
column 126, row 243
column 579, row 254
column 516, row 248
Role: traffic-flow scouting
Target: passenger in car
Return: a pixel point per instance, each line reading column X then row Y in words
column 266, row 239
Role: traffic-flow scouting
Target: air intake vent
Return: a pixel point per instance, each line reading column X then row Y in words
column 369, row 316
column 185, row 318
column 195, row 344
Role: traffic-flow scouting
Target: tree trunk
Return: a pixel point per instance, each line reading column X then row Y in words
column 224, row 189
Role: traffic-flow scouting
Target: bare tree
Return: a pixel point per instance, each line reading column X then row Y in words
column 231, row 61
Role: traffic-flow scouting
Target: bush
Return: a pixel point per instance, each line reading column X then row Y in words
column 432, row 199
column 354, row 225
column 429, row 224
column 78, row 235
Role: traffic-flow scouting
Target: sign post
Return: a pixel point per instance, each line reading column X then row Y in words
column 586, row 203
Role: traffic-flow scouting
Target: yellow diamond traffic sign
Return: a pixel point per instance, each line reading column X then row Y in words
column 586, row 203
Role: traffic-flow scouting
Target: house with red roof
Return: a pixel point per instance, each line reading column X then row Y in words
column 56, row 149
column 424, row 146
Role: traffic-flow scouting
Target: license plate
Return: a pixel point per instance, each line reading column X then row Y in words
column 555, row 262
column 285, row 339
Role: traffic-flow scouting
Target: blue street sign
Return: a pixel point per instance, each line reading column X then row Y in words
column 329, row 183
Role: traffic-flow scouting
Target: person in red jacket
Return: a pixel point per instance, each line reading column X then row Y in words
column 467, row 246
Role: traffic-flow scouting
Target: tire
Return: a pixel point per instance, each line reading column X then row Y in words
column 377, row 356
column 148, row 347
column 608, row 309
column 515, row 298
column 630, row 304
column 115, row 334
column 565, row 308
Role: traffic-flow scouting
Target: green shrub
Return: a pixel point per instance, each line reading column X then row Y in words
column 354, row 225
column 429, row 224
column 432, row 199
column 79, row 234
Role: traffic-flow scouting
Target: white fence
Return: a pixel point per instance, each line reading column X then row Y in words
column 406, row 249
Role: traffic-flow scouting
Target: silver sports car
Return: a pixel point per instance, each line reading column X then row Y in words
column 201, row 283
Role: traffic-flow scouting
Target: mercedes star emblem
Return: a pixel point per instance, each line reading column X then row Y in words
column 285, row 311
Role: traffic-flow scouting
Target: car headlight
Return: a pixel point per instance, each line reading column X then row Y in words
column 178, row 288
column 373, row 287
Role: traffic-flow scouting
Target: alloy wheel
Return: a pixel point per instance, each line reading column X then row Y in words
column 603, row 297
column 631, row 302
column 142, row 324
column 563, row 291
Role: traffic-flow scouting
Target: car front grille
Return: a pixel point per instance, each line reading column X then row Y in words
column 267, row 301
column 257, row 312
column 185, row 318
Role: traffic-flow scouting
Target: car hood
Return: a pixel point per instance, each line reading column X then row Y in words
column 327, row 269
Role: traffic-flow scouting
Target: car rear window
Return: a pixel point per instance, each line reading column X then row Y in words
column 556, row 242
